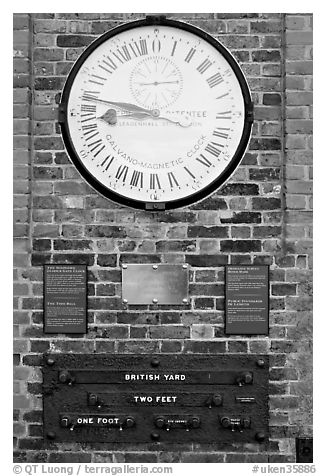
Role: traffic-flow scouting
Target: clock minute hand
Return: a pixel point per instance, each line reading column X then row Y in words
column 128, row 107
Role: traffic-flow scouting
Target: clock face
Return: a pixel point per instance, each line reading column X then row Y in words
column 156, row 114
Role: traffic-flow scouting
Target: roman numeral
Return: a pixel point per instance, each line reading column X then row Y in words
column 154, row 182
column 173, row 181
column 204, row 66
column 110, row 63
column 88, row 128
column 96, row 144
column 122, row 172
column 107, row 162
column 125, row 55
column 174, row 47
column 91, row 137
column 88, row 108
column 140, row 48
column 223, row 135
column 137, row 177
column 100, row 150
column 190, row 55
column 222, row 96
column 212, row 149
column 190, row 173
column 98, row 78
column 92, row 118
column 214, row 80
column 224, row 115
column 202, row 159
column 90, row 96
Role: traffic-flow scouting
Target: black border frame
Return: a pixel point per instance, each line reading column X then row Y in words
column 196, row 196
column 268, row 299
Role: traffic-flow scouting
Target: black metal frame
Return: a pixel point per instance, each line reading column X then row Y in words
column 197, row 196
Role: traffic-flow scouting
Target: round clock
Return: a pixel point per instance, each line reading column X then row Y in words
column 156, row 114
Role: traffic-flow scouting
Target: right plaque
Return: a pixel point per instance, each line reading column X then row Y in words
column 246, row 299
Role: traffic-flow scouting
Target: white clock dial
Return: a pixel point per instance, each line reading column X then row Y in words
column 155, row 113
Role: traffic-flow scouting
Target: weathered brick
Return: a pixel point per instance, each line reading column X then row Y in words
column 206, row 261
column 207, row 232
column 243, row 217
column 74, row 41
column 245, row 246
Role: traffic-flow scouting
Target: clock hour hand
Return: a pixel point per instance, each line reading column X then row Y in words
column 111, row 116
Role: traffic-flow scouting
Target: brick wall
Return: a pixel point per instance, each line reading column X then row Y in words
column 263, row 215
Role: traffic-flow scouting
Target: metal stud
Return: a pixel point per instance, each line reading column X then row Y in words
column 155, row 266
column 125, row 301
column 260, row 362
column 155, row 301
column 185, row 300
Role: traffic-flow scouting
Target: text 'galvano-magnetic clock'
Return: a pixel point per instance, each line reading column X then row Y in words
column 156, row 114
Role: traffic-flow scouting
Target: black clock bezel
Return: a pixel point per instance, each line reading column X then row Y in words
column 180, row 202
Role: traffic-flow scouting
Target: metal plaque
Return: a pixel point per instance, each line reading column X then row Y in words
column 65, row 298
column 141, row 398
column 247, row 299
column 155, row 283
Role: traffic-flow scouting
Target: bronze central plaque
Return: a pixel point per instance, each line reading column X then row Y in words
column 155, row 283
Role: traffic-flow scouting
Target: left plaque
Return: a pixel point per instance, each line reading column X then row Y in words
column 65, row 299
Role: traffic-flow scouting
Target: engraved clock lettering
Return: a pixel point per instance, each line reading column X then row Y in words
column 88, row 108
column 152, row 109
column 189, row 172
column 107, row 162
column 124, row 54
column 89, row 128
column 203, row 160
column 93, row 135
column 224, row 115
column 222, row 96
column 212, row 149
column 154, row 181
column 99, row 150
column 173, row 48
column 218, row 133
column 140, row 47
column 215, row 80
column 204, row 66
column 99, row 80
column 172, row 180
column 95, row 145
column 122, row 173
column 110, row 64
column 137, row 179
column 156, row 46
column 90, row 96
column 190, row 54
